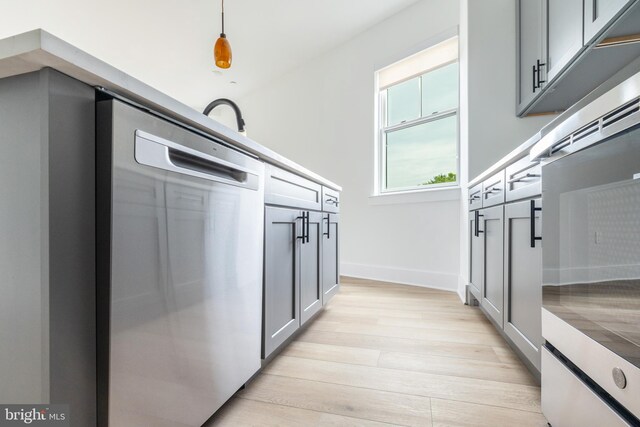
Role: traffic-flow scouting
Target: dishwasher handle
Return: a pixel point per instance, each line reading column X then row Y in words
column 163, row 154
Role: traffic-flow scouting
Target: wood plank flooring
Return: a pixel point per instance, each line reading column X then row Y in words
column 382, row 354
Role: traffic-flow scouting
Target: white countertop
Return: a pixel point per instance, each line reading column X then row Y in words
column 38, row 49
column 519, row 152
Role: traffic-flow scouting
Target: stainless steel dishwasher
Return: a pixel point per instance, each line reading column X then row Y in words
column 180, row 236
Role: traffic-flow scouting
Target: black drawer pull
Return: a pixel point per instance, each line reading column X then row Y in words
column 534, row 209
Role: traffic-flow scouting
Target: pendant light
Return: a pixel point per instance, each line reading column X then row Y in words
column 222, row 48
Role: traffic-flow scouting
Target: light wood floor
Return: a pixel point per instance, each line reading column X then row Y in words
column 384, row 354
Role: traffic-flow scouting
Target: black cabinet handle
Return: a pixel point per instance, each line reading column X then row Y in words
column 533, row 224
column 334, row 202
column 477, row 230
column 534, row 79
column 328, row 233
column 539, row 73
column 475, row 221
column 305, row 227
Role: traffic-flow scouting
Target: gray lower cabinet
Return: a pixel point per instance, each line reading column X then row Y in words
column 598, row 14
column 310, row 268
column 301, row 270
column 330, row 256
column 281, row 276
column 491, row 227
column 523, row 277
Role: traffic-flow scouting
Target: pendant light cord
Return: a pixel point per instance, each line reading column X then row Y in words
column 222, row 16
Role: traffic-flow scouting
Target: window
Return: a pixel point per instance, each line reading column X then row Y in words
column 418, row 121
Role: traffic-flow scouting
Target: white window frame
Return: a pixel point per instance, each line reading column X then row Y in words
column 382, row 131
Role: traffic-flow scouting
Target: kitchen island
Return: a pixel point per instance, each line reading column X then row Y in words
column 133, row 231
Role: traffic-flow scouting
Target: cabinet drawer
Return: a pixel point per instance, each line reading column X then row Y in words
column 523, row 180
column 493, row 190
column 567, row 401
column 475, row 197
column 330, row 200
column 287, row 189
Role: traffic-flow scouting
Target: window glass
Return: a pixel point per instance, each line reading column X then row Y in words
column 403, row 102
column 423, row 154
column 440, row 89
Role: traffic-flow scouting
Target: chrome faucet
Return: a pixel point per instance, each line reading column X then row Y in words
column 236, row 109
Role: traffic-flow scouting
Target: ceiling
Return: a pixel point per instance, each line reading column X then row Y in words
column 169, row 45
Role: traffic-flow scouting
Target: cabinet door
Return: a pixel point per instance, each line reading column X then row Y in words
column 493, row 292
column 523, row 278
column 530, row 49
column 310, row 268
column 330, row 256
column 476, row 255
column 281, row 278
column 564, row 35
column 598, row 14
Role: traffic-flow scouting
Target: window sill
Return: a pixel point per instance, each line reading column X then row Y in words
column 416, row 196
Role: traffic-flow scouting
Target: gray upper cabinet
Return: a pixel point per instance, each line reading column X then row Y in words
column 281, row 278
column 530, row 50
column 310, row 268
column 598, row 14
column 330, row 256
column 493, row 292
column 559, row 50
column 564, row 35
column 523, row 277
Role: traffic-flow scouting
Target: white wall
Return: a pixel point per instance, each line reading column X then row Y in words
column 322, row 116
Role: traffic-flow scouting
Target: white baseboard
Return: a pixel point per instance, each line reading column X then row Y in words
column 462, row 289
column 405, row 276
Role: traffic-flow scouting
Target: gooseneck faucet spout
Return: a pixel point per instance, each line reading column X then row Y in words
column 225, row 101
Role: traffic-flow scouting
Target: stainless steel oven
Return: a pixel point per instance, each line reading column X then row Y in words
column 591, row 268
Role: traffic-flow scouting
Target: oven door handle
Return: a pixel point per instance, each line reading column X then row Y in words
column 534, row 209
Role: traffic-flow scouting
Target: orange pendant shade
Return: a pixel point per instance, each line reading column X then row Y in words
column 222, row 52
